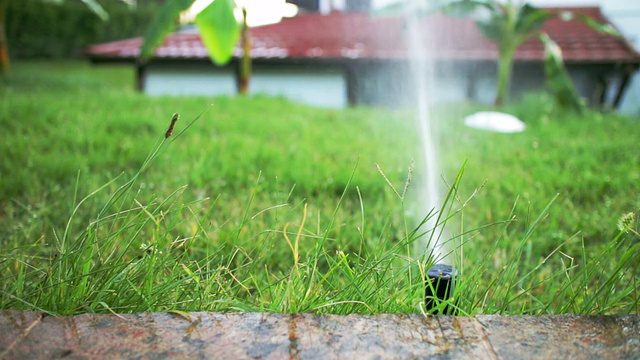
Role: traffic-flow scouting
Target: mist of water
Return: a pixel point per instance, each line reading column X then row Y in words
column 422, row 74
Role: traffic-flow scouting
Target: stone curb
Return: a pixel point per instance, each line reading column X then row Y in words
column 32, row 335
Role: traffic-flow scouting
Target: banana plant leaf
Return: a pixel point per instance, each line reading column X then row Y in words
column 163, row 24
column 467, row 8
column 97, row 9
column 530, row 19
column 597, row 26
column 495, row 28
column 219, row 30
column 93, row 5
column 512, row 23
column 558, row 79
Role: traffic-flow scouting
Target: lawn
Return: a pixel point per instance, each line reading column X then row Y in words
column 259, row 204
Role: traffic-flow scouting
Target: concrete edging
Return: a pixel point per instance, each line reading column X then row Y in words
column 32, row 335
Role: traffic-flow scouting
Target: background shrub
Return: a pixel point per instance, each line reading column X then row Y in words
column 41, row 29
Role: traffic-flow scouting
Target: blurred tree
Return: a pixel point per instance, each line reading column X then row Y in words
column 4, row 52
column 93, row 5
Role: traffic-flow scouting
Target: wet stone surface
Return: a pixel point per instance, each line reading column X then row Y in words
column 30, row 335
column 565, row 336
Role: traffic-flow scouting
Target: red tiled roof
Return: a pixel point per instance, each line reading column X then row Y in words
column 361, row 36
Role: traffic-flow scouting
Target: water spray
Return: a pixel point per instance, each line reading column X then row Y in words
column 440, row 279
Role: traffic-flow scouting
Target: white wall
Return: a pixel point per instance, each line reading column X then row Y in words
column 326, row 89
column 625, row 14
column 318, row 87
column 188, row 80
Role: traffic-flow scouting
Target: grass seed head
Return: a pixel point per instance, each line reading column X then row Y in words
column 626, row 221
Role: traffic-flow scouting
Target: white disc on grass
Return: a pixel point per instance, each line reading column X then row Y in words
column 494, row 121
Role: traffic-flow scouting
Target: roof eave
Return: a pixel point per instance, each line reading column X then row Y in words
column 112, row 60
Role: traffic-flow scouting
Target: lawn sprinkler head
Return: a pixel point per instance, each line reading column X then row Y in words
column 439, row 287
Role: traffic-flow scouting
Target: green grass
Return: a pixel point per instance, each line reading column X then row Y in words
column 265, row 205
